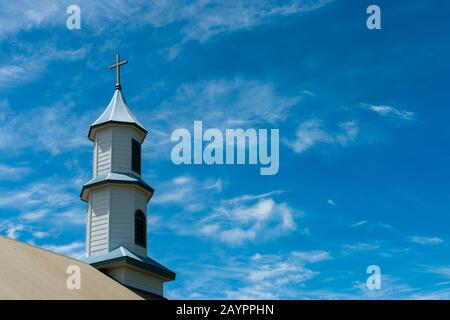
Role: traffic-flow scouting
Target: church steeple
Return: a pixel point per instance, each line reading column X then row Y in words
column 117, row 197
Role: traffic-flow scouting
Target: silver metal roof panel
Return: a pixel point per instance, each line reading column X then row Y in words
column 116, row 112
column 112, row 177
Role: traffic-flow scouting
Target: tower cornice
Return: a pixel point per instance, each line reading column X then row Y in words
column 117, row 179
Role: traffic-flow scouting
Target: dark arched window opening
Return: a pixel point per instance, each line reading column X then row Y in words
column 140, row 228
column 135, row 156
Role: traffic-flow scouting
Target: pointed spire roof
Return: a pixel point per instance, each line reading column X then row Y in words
column 116, row 112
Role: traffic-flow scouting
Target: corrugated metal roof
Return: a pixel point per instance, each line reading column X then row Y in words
column 117, row 111
column 122, row 252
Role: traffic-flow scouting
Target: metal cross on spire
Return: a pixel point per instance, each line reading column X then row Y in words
column 117, row 66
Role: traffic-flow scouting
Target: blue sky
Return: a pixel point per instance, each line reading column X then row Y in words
column 362, row 115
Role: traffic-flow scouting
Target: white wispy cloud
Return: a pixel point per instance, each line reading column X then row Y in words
column 259, row 276
column 385, row 226
column 25, row 15
column 312, row 256
column 35, row 215
column 186, row 191
column 13, row 173
column 38, row 209
column 279, row 276
column 388, row 111
column 313, row 132
column 29, row 63
column 221, row 104
column 357, row 224
column 40, row 234
column 425, row 240
column 246, row 102
column 246, row 221
column 197, row 20
column 35, row 195
column 13, row 230
column 278, row 273
column 440, row 270
column 74, row 249
column 286, row 276
column 250, row 197
column 443, row 294
column 205, row 19
column 392, row 287
column 358, row 247
column 75, row 216
column 54, row 128
column 234, row 221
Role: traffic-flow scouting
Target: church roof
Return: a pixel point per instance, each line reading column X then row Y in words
column 116, row 112
column 121, row 178
column 122, row 254
column 31, row 273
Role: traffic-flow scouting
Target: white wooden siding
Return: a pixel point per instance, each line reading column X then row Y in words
column 103, row 147
column 122, row 233
column 99, row 221
column 121, row 148
column 125, row 200
column 137, row 279
column 143, row 281
column 116, row 273
column 88, row 226
column 94, row 160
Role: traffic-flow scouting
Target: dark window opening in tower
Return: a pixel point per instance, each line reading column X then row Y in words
column 135, row 156
column 140, row 228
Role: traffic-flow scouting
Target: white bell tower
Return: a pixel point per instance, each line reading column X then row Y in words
column 117, row 197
